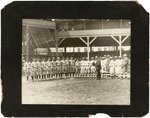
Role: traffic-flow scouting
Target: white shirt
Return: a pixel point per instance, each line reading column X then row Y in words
column 83, row 63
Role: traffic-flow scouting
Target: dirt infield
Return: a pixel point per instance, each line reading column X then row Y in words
column 77, row 91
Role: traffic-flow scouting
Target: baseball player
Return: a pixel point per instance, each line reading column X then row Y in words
column 37, row 63
column 107, row 61
column 58, row 68
column 67, row 67
column 55, row 68
column 129, row 62
column 26, row 68
column 124, row 64
column 70, row 67
column 63, row 68
column 33, row 69
column 103, row 69
column 83, row 68
column 73, row 66
column 78, row 69
column 53, row 64
column 48, row 67
column 118, row 63
column 87, row 67
column 43, row 67
column 112, row 66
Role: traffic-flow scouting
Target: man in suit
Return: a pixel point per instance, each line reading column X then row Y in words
column 98, row 67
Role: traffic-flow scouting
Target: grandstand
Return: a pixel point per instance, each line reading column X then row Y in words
column 75, row 37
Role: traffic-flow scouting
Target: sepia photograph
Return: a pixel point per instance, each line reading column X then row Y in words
column 76, row 61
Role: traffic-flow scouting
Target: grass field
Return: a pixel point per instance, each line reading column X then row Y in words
column 77, row 91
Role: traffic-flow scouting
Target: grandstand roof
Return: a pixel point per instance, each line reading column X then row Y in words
column 99, row 41
column 41, row 35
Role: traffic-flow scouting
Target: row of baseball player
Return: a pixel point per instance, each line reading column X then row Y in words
column 51, row 68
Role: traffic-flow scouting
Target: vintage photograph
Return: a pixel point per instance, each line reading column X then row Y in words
column 76, row 61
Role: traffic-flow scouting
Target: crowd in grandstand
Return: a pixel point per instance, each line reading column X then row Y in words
column 55, row 68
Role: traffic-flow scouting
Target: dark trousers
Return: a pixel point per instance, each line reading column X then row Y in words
column 98, row 75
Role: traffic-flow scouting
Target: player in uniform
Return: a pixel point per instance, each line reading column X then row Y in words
column 103, row 69
column 87, row 67
column 78, row 67
column 53, row 63
column 90, row 64
column 58, row 68
column 33, row 69
column 63, row 68
column 23, row 62
column 43, row 69
column 107, row 63
column 37, row 63
column 37, row 68
column 40, row 69
column 48, row 68
column 72, row 66
column 128, row 70
column 104, row 63
column 118, row 63
column 67, row 69
column 115, row 64
column 124, row 65
column 112, row 66
column 83, row 67
column 26, row 68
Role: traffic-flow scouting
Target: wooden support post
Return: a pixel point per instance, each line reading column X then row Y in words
column 83, row 40
column 88, row 45
column 125, row 38
column 90, row 49
column 61, row 41
column 115, row 39
column 120, row 46
column 65, row 49
column 56, row 50
column 92, row 40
